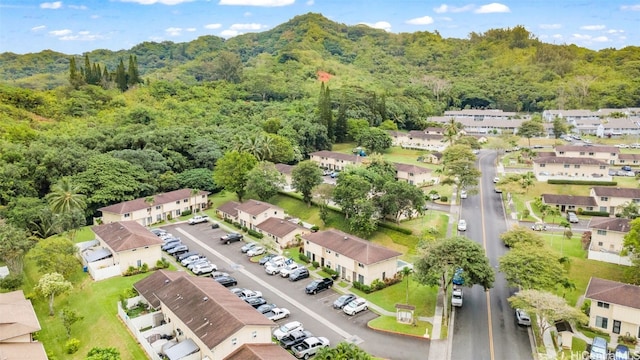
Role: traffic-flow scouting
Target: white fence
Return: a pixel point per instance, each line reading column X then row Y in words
column 609, row 257
column 138, row 323
column 103, row 269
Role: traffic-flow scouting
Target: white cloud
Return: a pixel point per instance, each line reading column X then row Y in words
column 173, row 31
column 550, row 26
column 444, row 8
column 252, row 26
column 635, row 7
column 425, row 20
column 78, row 7
column 582, row 37
column 588, row 39
column 383, row 25
column 264, row 3
column 492, row 8
column 593, row 27
column 213, row 26
column 445, row 18
column 152, row 2
column 601, row 39
column 38, row 28
column 51, row 5
column 247, row 14
column 190, row 29
column 82, row 36
column 229, row 33
column 614, row 31
column 310, row 2
column 557, row 36
column 60, row 32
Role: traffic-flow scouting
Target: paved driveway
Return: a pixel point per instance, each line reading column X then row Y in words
column 314, row 311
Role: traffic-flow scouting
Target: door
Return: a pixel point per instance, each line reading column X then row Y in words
column 322, row 262
column 344, row 272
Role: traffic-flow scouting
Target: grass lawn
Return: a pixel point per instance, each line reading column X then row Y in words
column 389, row 323
column 581, row 269
column 577, row 347
column 96, row 302
column 421, row 296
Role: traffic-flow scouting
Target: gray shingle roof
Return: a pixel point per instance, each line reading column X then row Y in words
column 613, row 292
column 588, row 149
column 158, row 199
column 229, row 208
column 609, row 191
column 610, row 224
column 569, row 200
column 353, row 247
column 125, row 235
column 279, row 227
column 568, row 160
column 255, row 207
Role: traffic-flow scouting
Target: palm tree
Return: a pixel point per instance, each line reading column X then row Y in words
column 65, row 197
column 451, row 130
column 527, row 180
column 406, row 272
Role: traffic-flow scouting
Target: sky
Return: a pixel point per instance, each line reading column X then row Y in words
column 78, row 26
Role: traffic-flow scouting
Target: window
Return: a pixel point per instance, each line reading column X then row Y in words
column 328, row 251
column 543, row 165
column 127, row 215
column 603, row 208
column 178, row 202
column 566, row 166
column 635, row 201
column 591, row 154
column 581, row 152
column 602, row 322
column 602, row 167
column 337, row 255
column 599, row 243
column 561, row 152
column 234, row 341
column 185, row 200
column 603, row 305
column 576, row 166
column 604, row 198
column 616, row 327
column 361, row 265
column 177, row 212
column 158, row 207
column 360, row 279
column 410, row 174
column 254, row 334
column 602, row 232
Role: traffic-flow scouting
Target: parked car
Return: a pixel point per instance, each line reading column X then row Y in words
column 193, row 258
column 265, row 259
column 463, row 194
column 246, row 293
column 158, row 232
column 231, row 237
column 462, row 225
column 198, row 219
column 497, row 190
column 626, row 168
column 318, row 285
column 216, row 274
column 265, row 308
column 496, row 180
column 572, row 217
column 343, row 300
column 456, row 297
column 204, row 268
column 226, row 281
column 434, row 196
column 309, row 347
column 287, row 329
column 621, row 353
column 248, row 246
column 178, row 249
column 539, row 226
column 170, row 244
column 181, row 257
column 522, row 318
column 294, row 338
column 273, row 268
column 215, row 225
column 287, row 270
column 204, row 260
column 598, row 349
column 255, row 301
column 278, row 314
column 300, row 273
column 355, row 306
column 257, row 250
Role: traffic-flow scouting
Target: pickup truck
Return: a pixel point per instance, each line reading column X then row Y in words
column 277, row 314
column 318, row 285
column 246, row 293
column 274, row 268
column 295, row 338
column 310, row 347
column 198, row 219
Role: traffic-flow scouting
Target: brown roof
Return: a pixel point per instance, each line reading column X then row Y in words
column 613, row 292
column 126, row 235
column 629, row 156
column 568, row 160
column 147, row 286
column 434, row 129
column 284, row 168
column 279, row 227
column 627, row 193
column 18, row 317
column 255, row 207
column 158, row 199
column 411, row 168
column 422, row 135
column 259, row 352
column 569, row 200
column 545, row 153
column 611, row 224
column 351, row 246
column 337, row 155
column 230, row 208
column 211, row 311
column 23, row 351
column 595, row 149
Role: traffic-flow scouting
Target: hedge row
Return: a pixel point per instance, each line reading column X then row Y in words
column 395, row 228
column 595, row 213
column 581, row 182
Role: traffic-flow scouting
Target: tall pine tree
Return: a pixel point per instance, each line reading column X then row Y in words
column 324, row 110
column 121, row 77
column 341, row 121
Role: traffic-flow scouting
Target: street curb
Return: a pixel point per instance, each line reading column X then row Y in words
column 398, row 333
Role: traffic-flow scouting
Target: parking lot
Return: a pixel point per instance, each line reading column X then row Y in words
column 315, row 312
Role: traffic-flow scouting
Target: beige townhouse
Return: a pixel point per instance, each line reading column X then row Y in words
column 249, row 213
column 18, row 327
column 608, row 154
column 283, row 233
column 570, row 202
column 414, row 175
column 354, row 259
column 156, row 208
column 574, row 168
column 332, row 160
column 615, row 307
column 612, row 199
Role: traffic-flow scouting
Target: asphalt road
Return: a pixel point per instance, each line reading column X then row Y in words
column 315, row 312
column 485, row 327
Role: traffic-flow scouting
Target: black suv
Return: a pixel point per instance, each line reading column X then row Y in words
column 318, row 285
column 297, row 274
column 231, row 237
column 226, row 281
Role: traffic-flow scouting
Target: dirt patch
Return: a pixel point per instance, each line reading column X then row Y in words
column 324, row 76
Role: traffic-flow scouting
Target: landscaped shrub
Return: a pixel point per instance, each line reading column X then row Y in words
column 395, row 227
column 162, row 264
column 185, row 213
column 237, row 225
column 315, row 228
column 244, row 228
column 304, row 258
column 71, row 346
column 329, row 271
column 315, row 264
column 377, row 285
column 11, row 281
column 228, row 221
column 627, row 339
column 362, row 287
column 256, row 234
column 169, row 217
column 581, row 182
column 444, row 198
column 595, row 213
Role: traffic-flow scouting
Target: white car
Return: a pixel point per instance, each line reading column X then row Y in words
column 256, row 250
column 456, row 297
column 462, row 225
column 192, row 258
column 198, row 219
column 287, row 329
column 278, row 314
column 355, row 306
column 287, row 270
column 197, row 262
column 496, row 180
column 274, row 268
column 246, row 294
column 204, row 268
column 463, row 194
column 275, row 259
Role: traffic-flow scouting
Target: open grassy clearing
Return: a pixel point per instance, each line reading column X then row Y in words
column 389, row 323
column 421, row 296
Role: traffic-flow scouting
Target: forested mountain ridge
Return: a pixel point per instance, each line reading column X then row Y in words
column 260, row 93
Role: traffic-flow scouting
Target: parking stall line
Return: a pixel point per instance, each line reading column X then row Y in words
column 249, row 274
